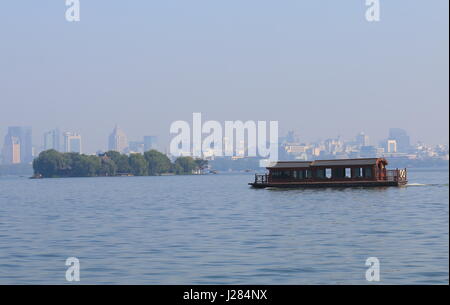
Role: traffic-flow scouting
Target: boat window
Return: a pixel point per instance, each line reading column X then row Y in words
column 348, row 173
column 276, row 174
column 328, row 173
column 357, row 172
column 367, row 172
column 338, row 173
column 320, row 173
column 283, row 174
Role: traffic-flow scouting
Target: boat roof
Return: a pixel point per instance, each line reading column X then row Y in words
column 290, row 164
column 336, row 162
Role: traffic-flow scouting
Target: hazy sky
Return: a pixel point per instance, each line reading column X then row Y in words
column 316, row 66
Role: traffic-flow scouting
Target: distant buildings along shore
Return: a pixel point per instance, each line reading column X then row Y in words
column 18, row 147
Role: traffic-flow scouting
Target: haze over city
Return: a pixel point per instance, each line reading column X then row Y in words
column 318, row 68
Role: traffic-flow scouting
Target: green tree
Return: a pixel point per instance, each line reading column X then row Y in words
column 82, row 165
column 186, row 164
column 177, row 169
column 113, row 155
column 93, row 164
column 158, row 163
column 120, row 160
column 107, row 167
column 201, row 164
column 138, row 165
column 49, row 164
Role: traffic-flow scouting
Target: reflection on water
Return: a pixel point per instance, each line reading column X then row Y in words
column 216, row 230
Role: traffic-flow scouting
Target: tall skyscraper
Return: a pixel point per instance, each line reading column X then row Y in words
column 401, row 137
column 118, row 140
column 150, row 142
column 52, row 140
column 18, row 147
column 392, row 146
column 362, row 139
column 11, row 151
column 15, row 150
column 72, row 142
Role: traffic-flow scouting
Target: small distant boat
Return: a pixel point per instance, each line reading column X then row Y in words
column 331, row 173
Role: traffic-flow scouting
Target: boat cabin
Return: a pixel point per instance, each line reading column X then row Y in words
column 340, row 172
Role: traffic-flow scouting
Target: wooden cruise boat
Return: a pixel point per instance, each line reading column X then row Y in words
column 331, row 173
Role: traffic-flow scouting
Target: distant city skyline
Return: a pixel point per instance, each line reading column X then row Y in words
column 18, row 147
column 52, row 138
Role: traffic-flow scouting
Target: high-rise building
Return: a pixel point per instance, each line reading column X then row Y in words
column 118, row 140
column 11, row 151
column 18, row 147
column 401, row 137
column 52, row 140
column 72, row 142
column 362, row 139
column 15, row 150
column 150, row 142
column 391, row 146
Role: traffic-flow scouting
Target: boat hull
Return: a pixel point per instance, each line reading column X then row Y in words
column 328, row 184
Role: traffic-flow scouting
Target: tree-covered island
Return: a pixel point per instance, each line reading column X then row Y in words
column 53, row 164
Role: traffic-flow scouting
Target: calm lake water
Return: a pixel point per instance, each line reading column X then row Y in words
column 216, row 230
